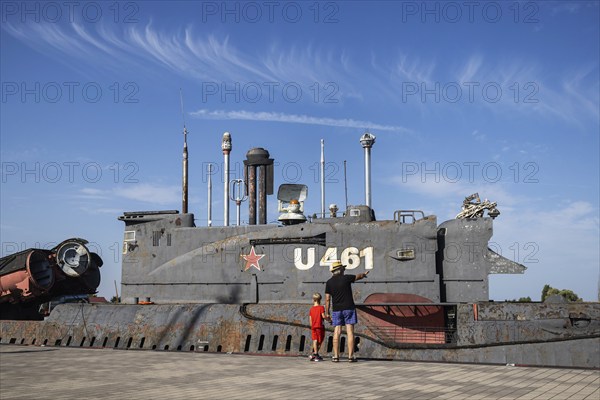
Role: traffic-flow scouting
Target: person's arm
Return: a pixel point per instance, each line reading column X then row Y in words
column 327, row 300
column 310, row 320
column 361, row 276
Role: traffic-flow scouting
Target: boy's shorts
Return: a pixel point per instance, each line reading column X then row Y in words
column 344, row 317
column 318, row 334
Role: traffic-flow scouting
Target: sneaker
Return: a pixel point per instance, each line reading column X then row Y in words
column 352, row 359
column 312, row 357
column 319, row 358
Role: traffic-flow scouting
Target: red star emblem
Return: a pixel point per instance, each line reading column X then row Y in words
column 252, row 259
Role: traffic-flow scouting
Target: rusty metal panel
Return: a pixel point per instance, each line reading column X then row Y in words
column 283, row 329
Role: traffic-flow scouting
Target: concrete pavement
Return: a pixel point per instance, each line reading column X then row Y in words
column 32, row 372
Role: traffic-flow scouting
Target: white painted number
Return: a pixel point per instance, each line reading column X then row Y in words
column 367, row 253
column 350, row 257
column 329, row 257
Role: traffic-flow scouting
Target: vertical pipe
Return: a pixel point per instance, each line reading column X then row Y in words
column 322, row 178
column 367, row 140
column 262, row 195
column 226, row 191
column 368, row 176
column 226, row 147
column 184, row 202
column 210, row 194
column 184, row 183
column 252, row 194
column 345, row 185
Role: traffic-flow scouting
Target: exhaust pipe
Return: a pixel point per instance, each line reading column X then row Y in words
column 226, row 147
column 210, row 194
column 367, row 140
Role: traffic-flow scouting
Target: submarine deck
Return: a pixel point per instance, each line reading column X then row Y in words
column 28, row 372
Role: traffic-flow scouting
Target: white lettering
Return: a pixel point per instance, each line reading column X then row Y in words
column 310, row 262
column 350, row 257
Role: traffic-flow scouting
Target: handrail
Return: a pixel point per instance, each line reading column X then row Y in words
column 401, row 215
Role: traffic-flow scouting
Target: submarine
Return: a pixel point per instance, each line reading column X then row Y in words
column 247, row 288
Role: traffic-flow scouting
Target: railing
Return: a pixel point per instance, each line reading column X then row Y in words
column 402, row 215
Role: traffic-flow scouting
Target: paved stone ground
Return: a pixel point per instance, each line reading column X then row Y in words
column 31, row 372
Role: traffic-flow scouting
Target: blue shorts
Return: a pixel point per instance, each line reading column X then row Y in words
column 344, row 317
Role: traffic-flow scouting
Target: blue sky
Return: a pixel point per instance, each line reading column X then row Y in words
column 499, row 98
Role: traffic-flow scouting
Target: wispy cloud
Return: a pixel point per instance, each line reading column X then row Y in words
column 198, row 56
column 523, row 86
column 413, row 69
column 145, row 193
column 150, row 193
column 446, row 189
column 101, row 211
column 209, row 57
column 294, row 119
column 469, row 71
column 93, row 194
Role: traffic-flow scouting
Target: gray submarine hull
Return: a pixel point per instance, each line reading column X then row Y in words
column 247, row 289
column 528, row 335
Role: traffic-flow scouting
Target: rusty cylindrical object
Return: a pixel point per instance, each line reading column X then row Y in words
column 32, row 275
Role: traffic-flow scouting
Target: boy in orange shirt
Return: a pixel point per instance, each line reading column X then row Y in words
column 316, row 317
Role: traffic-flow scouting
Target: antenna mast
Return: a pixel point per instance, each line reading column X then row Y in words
column 210, row 169
column 345, row 185
column 322, row 178
column 184, row 203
